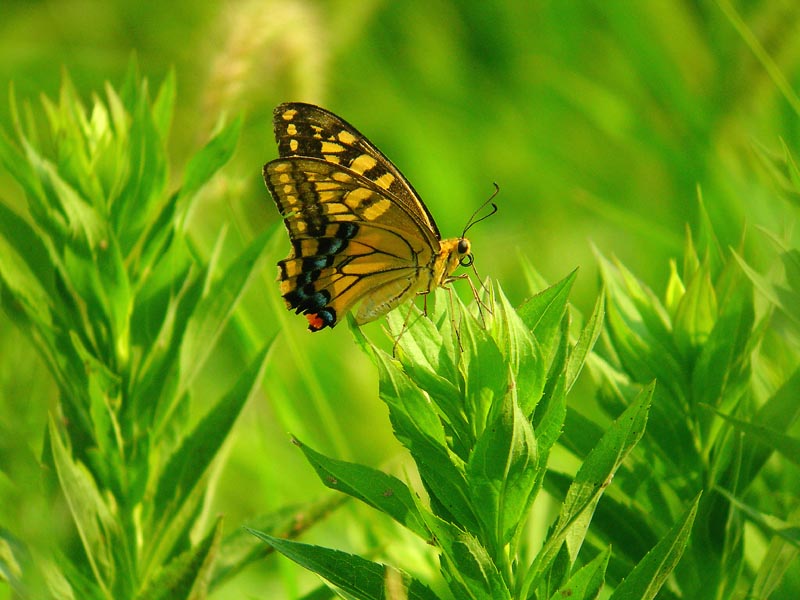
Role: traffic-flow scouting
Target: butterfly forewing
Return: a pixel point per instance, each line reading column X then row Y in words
column 358, row 230
column 308, row 130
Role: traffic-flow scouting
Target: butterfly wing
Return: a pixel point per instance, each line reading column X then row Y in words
column 310, row 131
column 358, row 230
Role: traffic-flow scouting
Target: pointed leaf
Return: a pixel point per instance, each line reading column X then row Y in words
column 382, row 491
column 785, row 445
column 585, row 343
column 187, row 465
column 696, row 313
column 469, row 569
column 502, row 471
column 649, row 575
column 587, row 582
column 774, row 526
column 417, row 426
column 363, row 579
column 213, row 311
column 594, row 475
column 92, row 517
column 542, row 314
column 187, row 575
column 208, row 161
column 521, row 351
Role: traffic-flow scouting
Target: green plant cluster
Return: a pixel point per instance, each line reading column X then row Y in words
column 677, row 487
column 97, row 269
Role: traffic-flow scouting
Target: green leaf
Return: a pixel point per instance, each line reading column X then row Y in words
column 65, row 582
column 695, row 313
column 786, row 300
column 16, row 163
column 554, row 387
column 587, row 582
column 675, row 289
column 103, row 397
column 210, row 158
column 487, row 381
column 543, row 312
column 649, row 575
column 467, row 567
column 25, row 274
column 426, row 357
column 627, row 527
column 417, row 426
column 501, row 473
column 164, row 105
column 637, row 301
column 521, row 351
column 93, row 519
column 778, row 413
column 590, row 482
column 785, row 445
column 115, row 294
column 773, row 526
column 19, row 234
column 585, row 343
column 187, row 465
column 147, row 175
column 14, row 557
column 178, row 494
column 707, row 243
column 186, row 576
column 382, row 491
column 157, row 245
column 213, row 311
column 780, row 555
column 550, row 425
column 153, row 396
column 363, row 579
column 791, row 266
column 240, row 549
column 723, row 361
column 640, row 331
column 781, row 169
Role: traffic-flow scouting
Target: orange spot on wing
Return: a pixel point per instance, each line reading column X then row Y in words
column 315, row 323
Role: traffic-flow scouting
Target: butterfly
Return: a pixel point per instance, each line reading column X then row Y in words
column 360, row 234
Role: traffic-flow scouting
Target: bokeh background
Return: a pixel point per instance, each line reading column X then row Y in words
column 601, row 121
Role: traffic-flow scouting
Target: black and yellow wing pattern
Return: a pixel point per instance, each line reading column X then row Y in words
column 359, row 231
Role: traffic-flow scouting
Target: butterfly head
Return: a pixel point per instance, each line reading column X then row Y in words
column 454, row 252
column 464, row 251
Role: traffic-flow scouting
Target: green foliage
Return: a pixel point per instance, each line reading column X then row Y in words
column 711, row 429
column 463, row 398
column 599, row 120
column 98, row 272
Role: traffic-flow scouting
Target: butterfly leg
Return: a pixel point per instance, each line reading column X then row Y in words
column 404, row 327
column 480, row 302
column 453, row 324
column 476, row 294
column 424, row 295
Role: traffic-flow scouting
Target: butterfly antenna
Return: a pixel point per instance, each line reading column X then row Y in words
column 472, row 221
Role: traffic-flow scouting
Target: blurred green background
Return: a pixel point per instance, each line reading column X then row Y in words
column 599, row 121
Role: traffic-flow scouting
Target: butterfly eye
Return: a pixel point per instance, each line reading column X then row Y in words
column 466, row 261
column 463, row 246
